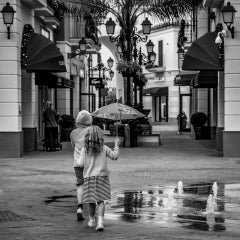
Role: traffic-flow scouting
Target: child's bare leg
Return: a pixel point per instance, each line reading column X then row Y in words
column 101, row 211
column 92, row 209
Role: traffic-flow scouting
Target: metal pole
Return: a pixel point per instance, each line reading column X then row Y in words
column 89, row 72
column 99, row 94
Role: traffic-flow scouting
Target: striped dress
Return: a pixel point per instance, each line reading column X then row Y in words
column 96, row 187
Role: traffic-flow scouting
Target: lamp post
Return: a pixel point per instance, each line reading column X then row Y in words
column 101, row 68
column 126, row 41
column 8, row 16
column 82, row 46
column 148, row 61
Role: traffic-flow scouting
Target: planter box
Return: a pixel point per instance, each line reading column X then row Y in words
column 65, row 134
column 202, row 133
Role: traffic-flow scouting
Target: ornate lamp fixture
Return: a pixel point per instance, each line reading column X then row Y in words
column 8, row 16
column 228, row 13
column 82, row 45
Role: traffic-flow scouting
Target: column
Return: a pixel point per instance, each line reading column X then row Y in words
column 231, row 133
column 10, row 87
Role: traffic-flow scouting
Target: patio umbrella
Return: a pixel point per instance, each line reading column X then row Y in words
column 117, row 112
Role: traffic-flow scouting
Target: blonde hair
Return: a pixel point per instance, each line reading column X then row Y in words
column 94, row 140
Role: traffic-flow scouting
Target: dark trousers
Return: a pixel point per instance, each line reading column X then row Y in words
column 52, row 138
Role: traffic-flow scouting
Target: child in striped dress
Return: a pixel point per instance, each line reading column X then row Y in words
column 96, row 187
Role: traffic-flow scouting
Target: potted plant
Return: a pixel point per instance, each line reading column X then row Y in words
column 67, row 124
column 198, row 120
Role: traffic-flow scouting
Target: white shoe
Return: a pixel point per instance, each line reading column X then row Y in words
column 100, row 227
column 80, row 214
column 91, row 223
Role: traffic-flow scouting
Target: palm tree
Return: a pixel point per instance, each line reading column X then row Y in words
column 127, row 13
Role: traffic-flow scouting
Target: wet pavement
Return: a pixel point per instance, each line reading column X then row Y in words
column 37, row 194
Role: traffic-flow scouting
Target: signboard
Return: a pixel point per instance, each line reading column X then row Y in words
column 95, row 81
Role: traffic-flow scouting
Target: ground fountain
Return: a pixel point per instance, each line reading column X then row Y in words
column 215, row 189
column 180, row 188
column 211, row 204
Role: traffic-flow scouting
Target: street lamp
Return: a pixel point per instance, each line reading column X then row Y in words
column 82, row 45
column 8, row 15
column 126, row 44
column 110, row 62
column 111, row 74
column 228, row 13
column 149, row 46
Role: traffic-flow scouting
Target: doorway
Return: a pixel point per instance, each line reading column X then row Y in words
column 161, row 108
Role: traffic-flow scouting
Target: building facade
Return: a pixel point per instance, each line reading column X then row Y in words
column 36, row 66
column 220, row 99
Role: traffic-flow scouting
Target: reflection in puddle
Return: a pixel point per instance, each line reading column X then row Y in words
column 180, row 206
column 186, row 208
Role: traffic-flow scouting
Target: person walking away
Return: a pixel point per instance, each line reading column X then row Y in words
column 77, row 136
column 50, row 118
column 96, row 187
column 181, row 121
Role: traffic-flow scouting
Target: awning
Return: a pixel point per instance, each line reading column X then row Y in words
column 156, row 91
column 205, row 79
column 203, row 54
column 43, row 55
column 53, row 80
column 184, row 78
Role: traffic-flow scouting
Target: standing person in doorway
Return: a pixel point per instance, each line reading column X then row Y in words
column 83, row 121
column 50, row 118
column 96, row 187
column 182, row 122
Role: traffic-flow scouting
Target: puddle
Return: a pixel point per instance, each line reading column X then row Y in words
column 166, row 207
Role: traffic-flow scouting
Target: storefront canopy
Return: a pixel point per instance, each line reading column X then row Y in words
column 43, row 55
column 184, row 78
column 156, row 91
column 53, row 80
column 203, row 54
column 205, row 79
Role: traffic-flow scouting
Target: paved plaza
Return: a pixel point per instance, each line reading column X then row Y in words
column 37, row 194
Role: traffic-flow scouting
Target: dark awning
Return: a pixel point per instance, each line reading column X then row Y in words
column 43, row 55
column 203, row 54
column 205, row 79
column 156, row 91
column 53, row 80
column 184, row 78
